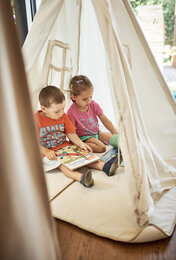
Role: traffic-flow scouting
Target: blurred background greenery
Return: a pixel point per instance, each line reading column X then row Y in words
column 168, row 7
column 161, row 38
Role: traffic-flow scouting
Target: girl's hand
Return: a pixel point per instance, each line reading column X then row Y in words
column 76, row 140
column 86, row 147
column 51, row 155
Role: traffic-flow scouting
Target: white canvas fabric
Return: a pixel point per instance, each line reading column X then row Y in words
column 144, row 158
column 107, row 210
column 128, row 84
column 24, row 205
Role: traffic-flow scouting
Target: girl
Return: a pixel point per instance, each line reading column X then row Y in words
column 84, row 113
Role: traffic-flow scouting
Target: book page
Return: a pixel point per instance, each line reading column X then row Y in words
column 74, row 157
column 50, row 164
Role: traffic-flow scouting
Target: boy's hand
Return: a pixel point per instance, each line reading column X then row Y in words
column 51, row 155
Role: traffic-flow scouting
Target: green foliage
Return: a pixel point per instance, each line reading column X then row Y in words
column 136, row 3
column 168, row 7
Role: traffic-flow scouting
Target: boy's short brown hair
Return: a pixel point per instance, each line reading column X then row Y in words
column 49, row 95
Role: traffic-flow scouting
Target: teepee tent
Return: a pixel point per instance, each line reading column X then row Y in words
column 102, row 39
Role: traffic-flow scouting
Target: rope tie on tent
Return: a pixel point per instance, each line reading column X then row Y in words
column 128, row 54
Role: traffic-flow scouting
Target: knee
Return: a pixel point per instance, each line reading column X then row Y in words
column 102, row 149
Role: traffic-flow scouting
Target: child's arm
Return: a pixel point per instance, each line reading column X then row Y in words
column 50, row 154
column 76, row 140
column 108, row 124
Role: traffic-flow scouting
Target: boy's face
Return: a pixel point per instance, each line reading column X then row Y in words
column 55, row 111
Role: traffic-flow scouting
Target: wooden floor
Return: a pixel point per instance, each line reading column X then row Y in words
column 77, row 244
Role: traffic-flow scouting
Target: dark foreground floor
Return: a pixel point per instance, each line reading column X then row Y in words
column 77, row 244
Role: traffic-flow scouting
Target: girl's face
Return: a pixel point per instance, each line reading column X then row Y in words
column 84, row 99
column 54, row 111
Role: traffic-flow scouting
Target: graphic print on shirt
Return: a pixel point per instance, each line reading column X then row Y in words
column 90, row 124
column 52, row 136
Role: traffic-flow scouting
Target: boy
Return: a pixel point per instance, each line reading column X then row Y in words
column 54, row 126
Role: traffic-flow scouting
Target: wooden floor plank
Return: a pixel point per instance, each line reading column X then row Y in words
column 78, row 244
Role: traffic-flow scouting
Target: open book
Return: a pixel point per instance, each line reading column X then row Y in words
column 74, row 157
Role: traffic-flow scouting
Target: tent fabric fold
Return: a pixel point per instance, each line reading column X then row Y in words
column 142, row 165
column 115, row 56
column 27, row 227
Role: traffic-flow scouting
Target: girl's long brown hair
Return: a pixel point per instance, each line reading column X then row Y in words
column 78, row 84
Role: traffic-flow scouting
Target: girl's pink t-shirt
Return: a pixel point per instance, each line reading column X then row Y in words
column 86, row 122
